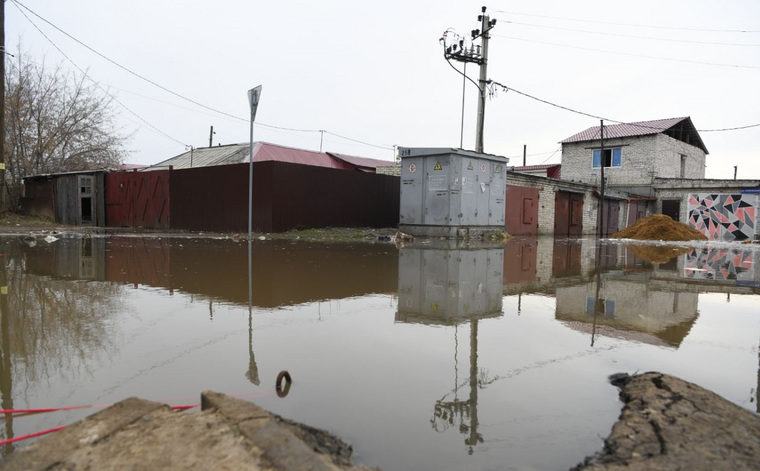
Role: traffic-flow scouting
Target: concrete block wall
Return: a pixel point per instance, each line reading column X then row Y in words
column 668, row 162
column 636, row 166
column 642, row 159
column 394, row 170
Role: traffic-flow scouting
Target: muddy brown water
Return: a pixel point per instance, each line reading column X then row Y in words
column 425, row 357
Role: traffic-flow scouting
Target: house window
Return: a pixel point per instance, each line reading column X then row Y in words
column 611, row 157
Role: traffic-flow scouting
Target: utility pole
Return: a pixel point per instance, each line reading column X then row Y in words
column 525, row 154
column 461, row 52
column 485, row 26
column 211, row 137
column 2, row 105
column 735, row 167
column 601, row 165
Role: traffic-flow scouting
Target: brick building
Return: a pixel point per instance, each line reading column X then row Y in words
column 635, row 154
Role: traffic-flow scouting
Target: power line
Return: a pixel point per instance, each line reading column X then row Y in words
column 634, row 36
column 358, row 141
column 126, row 69
column 96, row 83
column 637, row 25
column 509, row 89
column 628, row 53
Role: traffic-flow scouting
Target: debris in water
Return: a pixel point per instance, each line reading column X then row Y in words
column 50, row 239
column 659, row 227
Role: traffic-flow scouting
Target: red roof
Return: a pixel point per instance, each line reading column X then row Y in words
column 678, row 128
column 264, row 151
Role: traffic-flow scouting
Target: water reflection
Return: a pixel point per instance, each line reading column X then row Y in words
column 283, row 273
column 51, row 326
column 538, row 311
column 451, row 285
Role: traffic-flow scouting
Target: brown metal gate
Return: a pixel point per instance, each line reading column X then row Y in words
column 521, row 213
column 568, row 213
column 610, row 210
column 137, row 199
column 636, row 211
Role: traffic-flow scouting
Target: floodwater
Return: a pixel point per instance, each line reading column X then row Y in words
column 424, row 357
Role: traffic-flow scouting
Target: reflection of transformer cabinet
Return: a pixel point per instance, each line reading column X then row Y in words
column 451, row 192
column 449, row 286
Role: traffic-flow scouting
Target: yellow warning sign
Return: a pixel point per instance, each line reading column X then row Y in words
column 3, row 290
column 469, row 167
column 438, row 166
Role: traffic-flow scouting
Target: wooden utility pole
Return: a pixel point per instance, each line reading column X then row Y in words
column 211, row 137
column 485, row 26
column 601, row 165
column 2, row 105
column 459, row 51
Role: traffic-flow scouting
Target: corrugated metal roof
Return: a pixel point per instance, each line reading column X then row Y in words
column 264, row 151
column 641, row 128
column 362, row 161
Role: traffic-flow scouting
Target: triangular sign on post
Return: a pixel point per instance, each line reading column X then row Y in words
column 253, row 99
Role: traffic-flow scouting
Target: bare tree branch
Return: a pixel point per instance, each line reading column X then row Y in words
column 55, row 122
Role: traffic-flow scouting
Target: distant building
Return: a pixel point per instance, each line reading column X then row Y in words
column 544, row 170
column 263, row 152
column 635, row 154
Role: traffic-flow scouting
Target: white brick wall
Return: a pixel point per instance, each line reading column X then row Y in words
column 642, row 158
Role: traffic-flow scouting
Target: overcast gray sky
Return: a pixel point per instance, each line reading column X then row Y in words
column 374, row 71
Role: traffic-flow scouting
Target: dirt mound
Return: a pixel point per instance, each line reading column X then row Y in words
column 659, row 227
column 657, row 254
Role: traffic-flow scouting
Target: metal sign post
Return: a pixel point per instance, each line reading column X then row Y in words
column 253, row 100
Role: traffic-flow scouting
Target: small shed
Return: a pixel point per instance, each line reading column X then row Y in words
column 75, row 198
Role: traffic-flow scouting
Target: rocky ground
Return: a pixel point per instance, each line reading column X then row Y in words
column 667, row 423
column 228, row 434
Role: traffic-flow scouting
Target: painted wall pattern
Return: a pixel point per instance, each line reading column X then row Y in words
column 719, row 264
column 723, row 216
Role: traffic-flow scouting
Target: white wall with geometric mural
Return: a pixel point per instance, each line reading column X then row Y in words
column 724, row 216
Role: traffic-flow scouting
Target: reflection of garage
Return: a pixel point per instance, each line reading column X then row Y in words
column 568, row 213
column 522, row 210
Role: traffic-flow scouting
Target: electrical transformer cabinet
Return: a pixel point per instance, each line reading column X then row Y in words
column 451, row 192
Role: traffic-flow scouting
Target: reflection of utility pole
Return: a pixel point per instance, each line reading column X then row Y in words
column 6, row 377
column 253, row 370
column 598, row 303
column 475, row 437
column 448, row 412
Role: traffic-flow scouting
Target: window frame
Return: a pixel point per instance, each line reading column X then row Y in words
column 616, row 156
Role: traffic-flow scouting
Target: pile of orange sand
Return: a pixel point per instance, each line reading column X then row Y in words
column 659, row 227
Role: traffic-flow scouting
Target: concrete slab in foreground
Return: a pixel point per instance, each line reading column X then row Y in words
column 668, row 423
column 228, row 434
